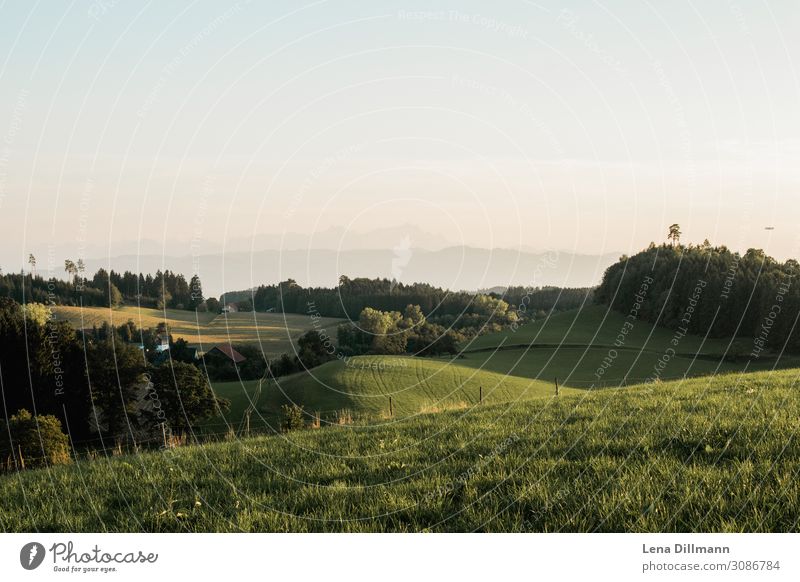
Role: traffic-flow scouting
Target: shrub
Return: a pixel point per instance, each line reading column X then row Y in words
column 184, row 395
column 35, row 441
column 114, row 296
column 292, row 417
column 36, row 312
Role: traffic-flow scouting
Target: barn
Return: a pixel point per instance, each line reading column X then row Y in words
column 227, row 351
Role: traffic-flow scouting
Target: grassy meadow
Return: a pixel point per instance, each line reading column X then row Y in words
column 501, row 364
column 573, row 345
column 597, row 326
column 708, row 448
column 576, row 366
column 362, row 387
column 274, row 332
column 706, row 454
column 241, row 396
column 365, row 383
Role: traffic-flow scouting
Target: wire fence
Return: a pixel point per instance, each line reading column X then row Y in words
column 257, row 418
column 255, row 422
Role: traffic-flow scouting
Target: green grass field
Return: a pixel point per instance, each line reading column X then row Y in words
column 423, row 385
column 595, row 325
column 504, row 372
column 706, row 454
column 241, row 396
column 577, row 366
column 363, row 387
column 573, row 346
column 274, row 332
column 716, row 452
column 365, row 383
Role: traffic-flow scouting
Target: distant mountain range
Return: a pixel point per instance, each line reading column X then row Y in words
column 339, row 238
column 334, row 238
column 456, row 268
column 406, row 253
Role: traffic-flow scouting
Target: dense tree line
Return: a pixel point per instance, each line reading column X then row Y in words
column 352, row 296
column 393, row 332
column 107, row 289
column 546, row 299
column 709, row 290
column 163, row 290
column 35, row 289
column 98, row 387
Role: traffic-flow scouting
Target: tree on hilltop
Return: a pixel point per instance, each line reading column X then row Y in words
column 674, row 234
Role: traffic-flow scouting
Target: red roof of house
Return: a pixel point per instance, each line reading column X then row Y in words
column 230, row 352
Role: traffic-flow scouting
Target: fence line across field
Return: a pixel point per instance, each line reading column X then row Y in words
column 318, row 417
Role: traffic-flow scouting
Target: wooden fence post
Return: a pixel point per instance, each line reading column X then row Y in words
column 480, row 394
column 391, row 409
column 556, row 385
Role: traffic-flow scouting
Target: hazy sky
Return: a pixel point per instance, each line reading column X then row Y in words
column 587, row 126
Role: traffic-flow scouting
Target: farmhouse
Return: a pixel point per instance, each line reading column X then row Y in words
column 228, row 352
column 162, row 343
column 230, row 308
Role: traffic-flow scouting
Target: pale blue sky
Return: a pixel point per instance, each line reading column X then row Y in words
column 587, row 126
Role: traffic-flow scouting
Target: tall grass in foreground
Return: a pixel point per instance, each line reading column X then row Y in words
column 718, row 454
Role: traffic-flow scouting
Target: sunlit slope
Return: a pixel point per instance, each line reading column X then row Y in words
column 710, row 454
column 274, row 332
column 182, row 322
column 599, row 367
column 587, row 349
column 595, row 325
column 365, row 383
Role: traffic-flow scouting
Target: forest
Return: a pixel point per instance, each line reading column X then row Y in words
column 703, row 289
column 96, row 385
column 440, row 306
column 164, row 290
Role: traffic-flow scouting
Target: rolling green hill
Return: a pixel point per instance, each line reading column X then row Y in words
column 595, row 325
column 586, row 359
column 582, row 348
column 364, row 384
column 577, row 366
column 709, row 454
column 423, row 385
